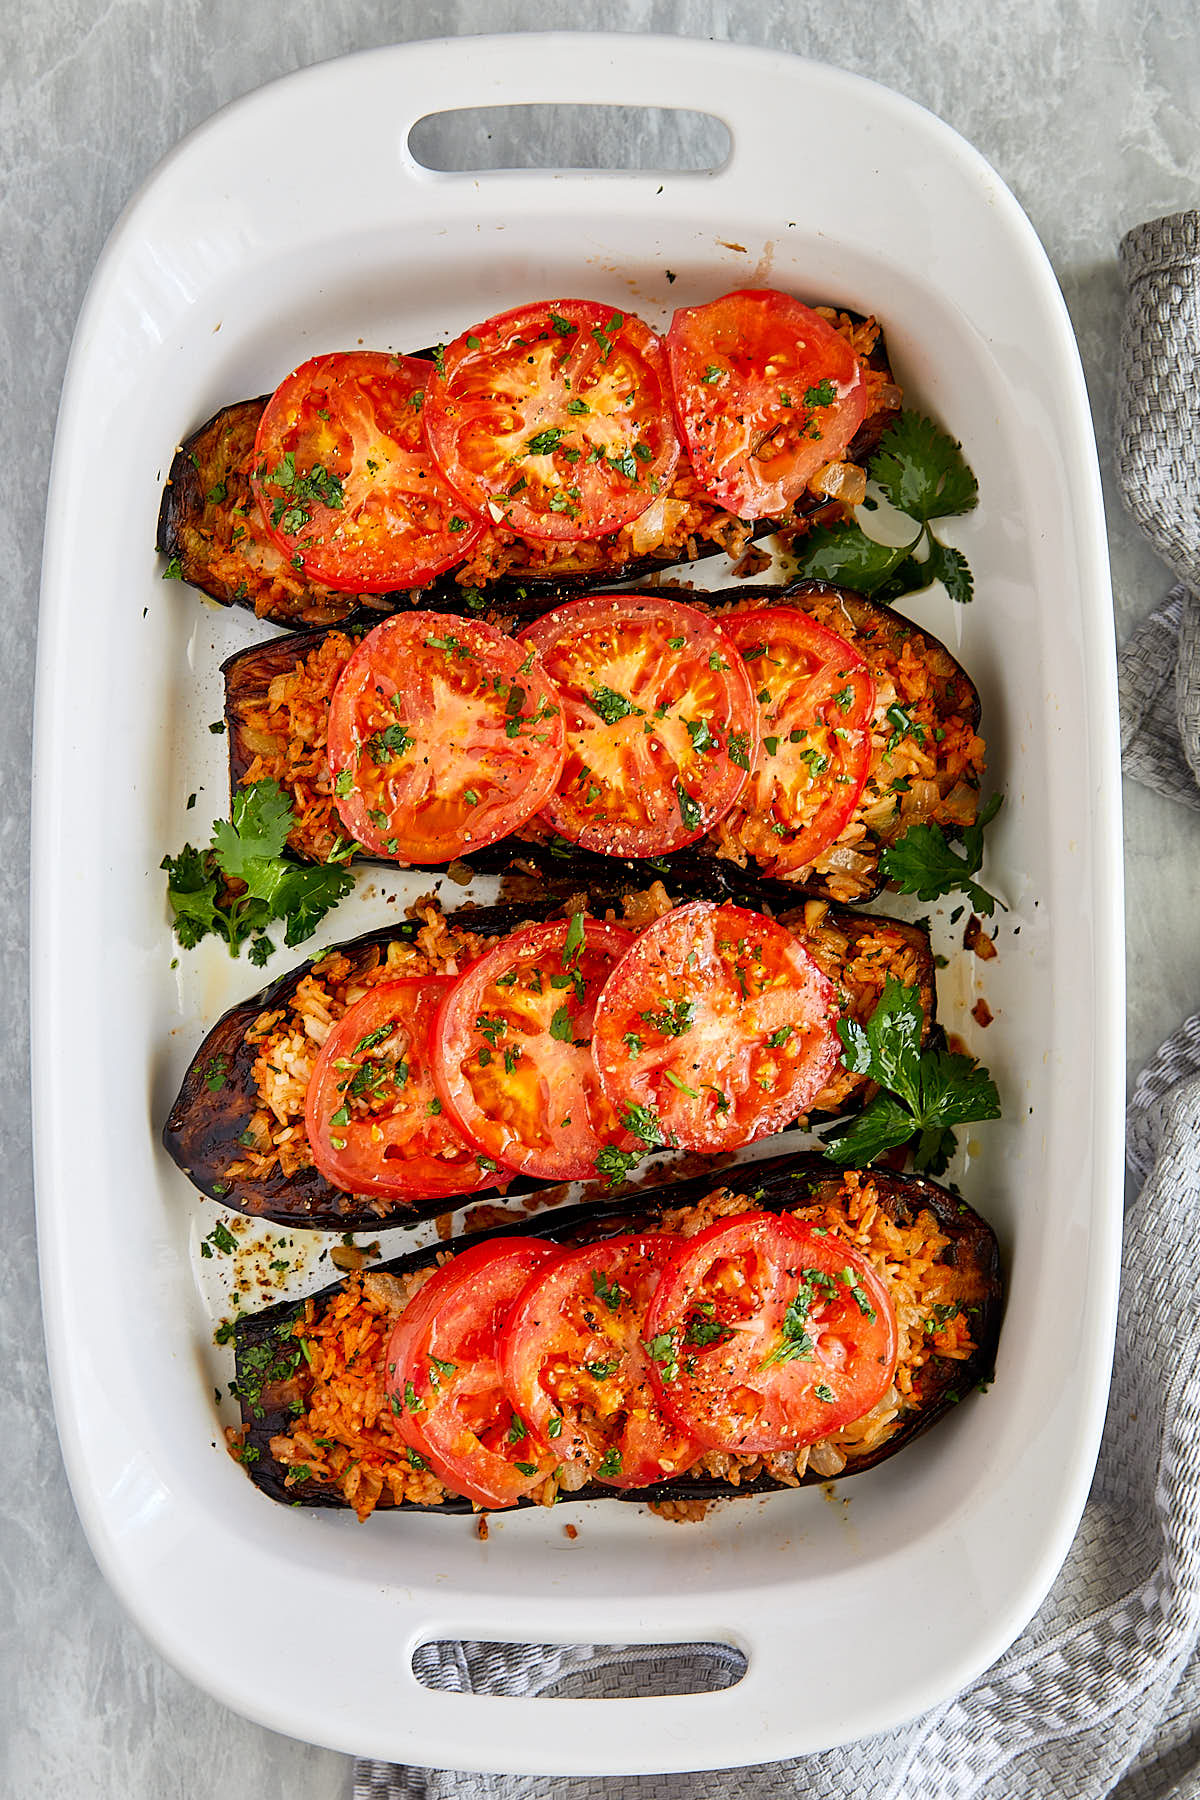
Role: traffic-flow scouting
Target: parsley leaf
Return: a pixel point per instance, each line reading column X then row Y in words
column 845, row 554
column 927, row 1092
column 951, row 568
column 924, row 863
column 615, row 1164
column 611, row 706
column 921, row 471
column 644, row 1123
column 243, row 883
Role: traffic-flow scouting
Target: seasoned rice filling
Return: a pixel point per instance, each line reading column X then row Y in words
column 927, row 759
column 227, row 548
column 288, row 1037
column 343, row 1436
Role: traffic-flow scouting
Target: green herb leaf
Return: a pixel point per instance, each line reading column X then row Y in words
column 644, row 1123
column 247, row 851
column 689, row 808
column 926, row 1091
column 922, row 471
column 610, row 1292
column 676, row 1018
column 612, row 706
column 615, row 1164
column 845, row 554
column 923, row 862
column 951, row 568
column 561, row 1028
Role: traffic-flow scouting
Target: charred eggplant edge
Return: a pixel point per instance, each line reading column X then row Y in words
column 694, row 867
column 214, row 1105
column 774, row 1184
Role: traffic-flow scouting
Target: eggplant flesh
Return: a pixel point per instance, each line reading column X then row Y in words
column 266, row 1359
column 209, row 528
column 217, row 1100
column 872, row 628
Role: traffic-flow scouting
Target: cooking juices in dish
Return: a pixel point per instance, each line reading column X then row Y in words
column 787, row 1327
column 561, row 443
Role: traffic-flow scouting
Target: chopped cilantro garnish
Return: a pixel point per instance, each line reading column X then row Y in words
column 925, row 1092
column 611, row 706
column 240, row 885
column 615, row 1164
column 643, row 1123
column 561, row 1028
column 737, row 748
column 674, row 1020
column 924, row 863
column 922, row 472
column 689, row 808
column 610, row 1292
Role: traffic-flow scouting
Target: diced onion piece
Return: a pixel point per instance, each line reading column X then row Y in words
column 843, row 481
column 655, row 527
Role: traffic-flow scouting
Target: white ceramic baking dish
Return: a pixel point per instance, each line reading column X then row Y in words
column 297, row 221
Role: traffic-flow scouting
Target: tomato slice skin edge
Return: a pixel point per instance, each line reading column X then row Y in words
column 778, row 1334
column 344, row 481
column 407, row 1152
column 438, row 1402
column 507, row 1041
column 574, row 1361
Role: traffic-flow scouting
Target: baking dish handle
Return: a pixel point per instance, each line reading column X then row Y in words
column 627, row 69
column 713, row 1728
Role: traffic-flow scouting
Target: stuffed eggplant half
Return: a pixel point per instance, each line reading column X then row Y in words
column 389, row 1078
column 793, row 732
column 553, row 449
column 787, row 1326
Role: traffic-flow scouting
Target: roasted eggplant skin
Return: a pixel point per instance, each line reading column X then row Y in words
column 248, row 675
column 216, row 1100
column 265, row 1356
column 208, row 479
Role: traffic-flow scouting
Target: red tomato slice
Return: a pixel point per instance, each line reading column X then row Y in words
column 373, row 1117
column 767, row 1335
column 766, row 392
column 443, row 1382
column 716, row 1028
column 816, row 699
column 575, row 1365
column 660, row 719
column 346, row 484
column 444, row 735
column 512, row 1049
column 555, row 419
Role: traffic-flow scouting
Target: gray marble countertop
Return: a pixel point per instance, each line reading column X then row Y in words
column 1089, row 110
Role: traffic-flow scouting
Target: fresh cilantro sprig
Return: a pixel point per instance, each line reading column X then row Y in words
column 242, row 883
column 923, row 862
column 926, row 1092
column 922, row 472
